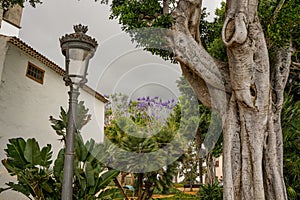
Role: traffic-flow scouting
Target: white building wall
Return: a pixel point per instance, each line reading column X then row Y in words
column 26, row 105
column 219, row 169
column 3, row 50
column 9, row 29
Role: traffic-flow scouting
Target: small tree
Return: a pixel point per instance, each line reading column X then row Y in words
column 141, row 127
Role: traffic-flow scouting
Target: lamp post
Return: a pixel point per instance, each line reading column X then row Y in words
column 77, row 48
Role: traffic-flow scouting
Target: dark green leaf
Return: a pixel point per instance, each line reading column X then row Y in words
column 32, row 152
column 46, row 155
column 89, row 173
column 15, row 152
column 59, row 165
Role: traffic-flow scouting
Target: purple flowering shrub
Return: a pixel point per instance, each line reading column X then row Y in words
column 140, row 124
column 141, row 118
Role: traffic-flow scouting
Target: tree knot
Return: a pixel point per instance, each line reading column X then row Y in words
column 235, row 29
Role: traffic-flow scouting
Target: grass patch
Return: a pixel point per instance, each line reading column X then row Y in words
column 179, row 196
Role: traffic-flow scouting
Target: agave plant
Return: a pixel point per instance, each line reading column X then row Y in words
column 36, row 178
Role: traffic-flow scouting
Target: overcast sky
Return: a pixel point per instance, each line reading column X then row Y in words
column 117, row 65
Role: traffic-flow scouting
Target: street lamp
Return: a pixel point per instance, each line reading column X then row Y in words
column 78, row 48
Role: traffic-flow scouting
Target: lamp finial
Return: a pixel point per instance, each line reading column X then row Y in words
column 80, row 28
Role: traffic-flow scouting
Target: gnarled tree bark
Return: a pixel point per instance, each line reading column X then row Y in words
column 247, row 92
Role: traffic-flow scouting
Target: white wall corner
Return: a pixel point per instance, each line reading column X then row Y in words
column 3, row 52
column 9, row 29
column 1, row 15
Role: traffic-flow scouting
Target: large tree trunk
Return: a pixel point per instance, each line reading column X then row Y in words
column 252, row 143
column 245, row 93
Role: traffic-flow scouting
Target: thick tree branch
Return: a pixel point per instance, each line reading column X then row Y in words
column 239, row 15
column 198, row 85
column 232, row 152
column 182, row 14
column 194, row 21
column 192, row 56
column 273, row 145
column 189, row 53
column 247, row 53
column 279, row 75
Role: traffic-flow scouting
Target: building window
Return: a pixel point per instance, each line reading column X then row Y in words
column 35, row 73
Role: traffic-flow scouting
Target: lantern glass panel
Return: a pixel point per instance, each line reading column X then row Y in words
column 79, row 59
